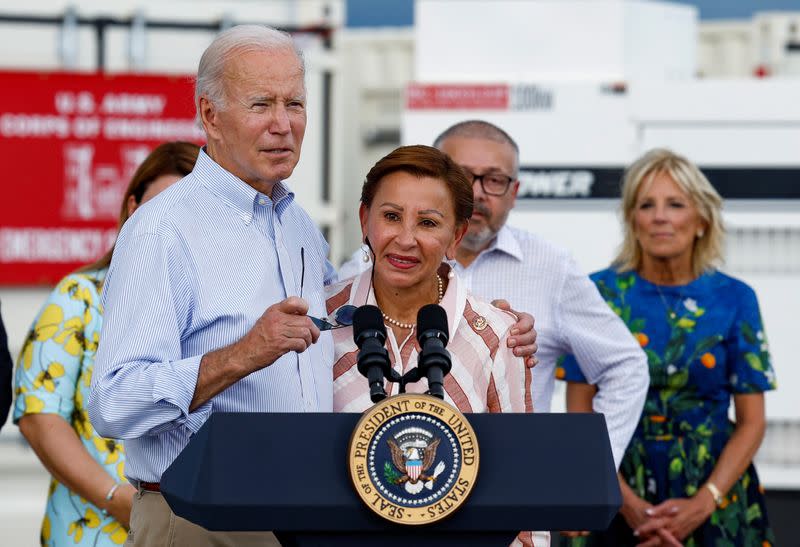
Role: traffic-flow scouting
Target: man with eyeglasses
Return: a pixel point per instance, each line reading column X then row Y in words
column 499, row 261
column 544, row 280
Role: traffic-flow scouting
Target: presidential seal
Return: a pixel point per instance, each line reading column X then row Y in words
column 413, row 459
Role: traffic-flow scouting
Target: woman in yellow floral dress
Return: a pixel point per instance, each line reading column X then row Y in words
column 89, row 502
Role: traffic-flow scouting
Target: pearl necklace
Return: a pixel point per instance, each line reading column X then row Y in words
column 396, row 323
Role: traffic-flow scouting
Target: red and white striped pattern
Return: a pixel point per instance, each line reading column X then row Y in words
column 413, row 469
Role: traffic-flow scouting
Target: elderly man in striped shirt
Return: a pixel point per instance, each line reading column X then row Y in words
column 186, row 332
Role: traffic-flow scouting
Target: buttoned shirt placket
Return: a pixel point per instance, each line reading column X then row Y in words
column 290, row 272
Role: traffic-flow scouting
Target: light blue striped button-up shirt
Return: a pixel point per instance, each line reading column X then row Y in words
column 193, row 270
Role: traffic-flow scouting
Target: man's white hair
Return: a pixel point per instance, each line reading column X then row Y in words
column 228, row 44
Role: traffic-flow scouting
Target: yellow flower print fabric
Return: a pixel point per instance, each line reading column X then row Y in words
column 53, row 376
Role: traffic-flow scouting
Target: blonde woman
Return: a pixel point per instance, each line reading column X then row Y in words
column 687, row 476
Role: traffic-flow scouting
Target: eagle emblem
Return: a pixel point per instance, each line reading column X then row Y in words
column 413, row 453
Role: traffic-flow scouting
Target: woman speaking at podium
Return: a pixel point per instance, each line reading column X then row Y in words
column 415, row 208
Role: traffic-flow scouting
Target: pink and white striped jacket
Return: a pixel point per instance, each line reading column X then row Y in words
column 486, row 376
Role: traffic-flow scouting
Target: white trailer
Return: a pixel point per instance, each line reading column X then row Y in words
column 585, row 88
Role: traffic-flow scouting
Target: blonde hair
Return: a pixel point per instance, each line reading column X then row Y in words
column 708, row 250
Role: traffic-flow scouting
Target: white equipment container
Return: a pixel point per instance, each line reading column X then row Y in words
column 585, row 87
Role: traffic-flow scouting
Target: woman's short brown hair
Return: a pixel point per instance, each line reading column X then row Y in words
column 708, row 249
column 423, row 161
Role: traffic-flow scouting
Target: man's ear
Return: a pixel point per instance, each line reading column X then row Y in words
column 514, row 189
column 209, row 116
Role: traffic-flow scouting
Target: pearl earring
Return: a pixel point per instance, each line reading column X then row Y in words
column 452, row 263
column 365, row 253
column 700, row 233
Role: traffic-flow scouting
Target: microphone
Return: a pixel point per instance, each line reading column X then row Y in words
column 369, row 334
column 433, row 335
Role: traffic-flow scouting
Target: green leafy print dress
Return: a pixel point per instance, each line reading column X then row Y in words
column 704, row 343
column 54, row 374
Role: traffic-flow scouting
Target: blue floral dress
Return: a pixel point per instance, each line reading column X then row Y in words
column 704, row 343
column 53, row 376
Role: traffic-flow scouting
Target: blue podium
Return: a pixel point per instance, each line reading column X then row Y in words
column 288, row 473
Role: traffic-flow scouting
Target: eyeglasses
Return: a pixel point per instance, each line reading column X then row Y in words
column 342, row 317
column 493, row 184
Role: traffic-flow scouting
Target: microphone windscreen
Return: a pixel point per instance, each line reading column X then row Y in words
column 367, row 318
column 432, row 317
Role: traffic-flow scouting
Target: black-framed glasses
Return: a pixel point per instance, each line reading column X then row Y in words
column 342, row 316
column 493, row 184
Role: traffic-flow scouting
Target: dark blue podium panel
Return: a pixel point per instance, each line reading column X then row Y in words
column 288, row 472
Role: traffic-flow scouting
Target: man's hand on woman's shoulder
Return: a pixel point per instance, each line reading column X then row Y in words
column 523, row 335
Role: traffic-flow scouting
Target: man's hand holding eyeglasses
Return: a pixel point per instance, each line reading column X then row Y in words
column 282, row 328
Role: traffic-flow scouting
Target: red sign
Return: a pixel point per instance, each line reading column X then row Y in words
column 457, row 97
column 69, row 144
